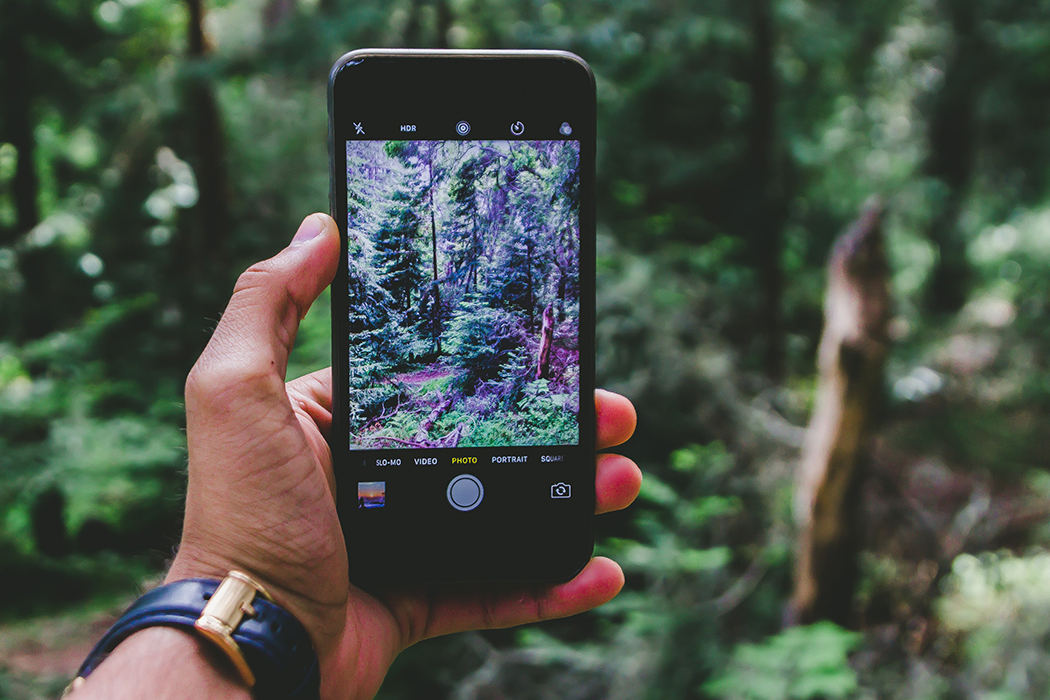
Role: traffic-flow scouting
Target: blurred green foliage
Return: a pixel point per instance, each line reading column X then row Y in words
column 995, row 610
column 145, row 161
column 800, row 663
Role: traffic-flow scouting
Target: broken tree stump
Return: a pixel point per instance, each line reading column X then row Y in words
column 850, row 362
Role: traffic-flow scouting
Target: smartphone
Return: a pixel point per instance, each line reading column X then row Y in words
column 463, row 314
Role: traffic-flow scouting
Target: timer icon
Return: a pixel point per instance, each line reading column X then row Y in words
column 517, row 128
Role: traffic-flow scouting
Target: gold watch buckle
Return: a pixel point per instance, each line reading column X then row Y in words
column 225, row 610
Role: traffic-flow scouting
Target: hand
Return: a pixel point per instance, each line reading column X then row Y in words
column 260, row 495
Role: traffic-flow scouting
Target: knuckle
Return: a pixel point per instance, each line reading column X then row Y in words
column 541, row 609
column 215, row 384
column 259, row 275
column 270, row 279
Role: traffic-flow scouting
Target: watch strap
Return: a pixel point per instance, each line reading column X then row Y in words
column 275, row 645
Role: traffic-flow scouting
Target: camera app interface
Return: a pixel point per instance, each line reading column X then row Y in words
column 463, row 281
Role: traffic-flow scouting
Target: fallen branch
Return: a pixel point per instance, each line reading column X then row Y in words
column 384, row 415
column 410, row 443
column 743, row 586
column 428, row 422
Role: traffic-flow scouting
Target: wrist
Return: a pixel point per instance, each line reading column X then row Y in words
column 269, row 648
column 163, row 662
column 194, row 563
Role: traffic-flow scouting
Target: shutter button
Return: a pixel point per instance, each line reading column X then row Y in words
column 465, row 492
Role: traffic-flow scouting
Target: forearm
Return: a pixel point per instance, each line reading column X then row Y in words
column 162, row 663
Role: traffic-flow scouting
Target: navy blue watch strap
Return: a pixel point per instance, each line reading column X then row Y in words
column 276, row 646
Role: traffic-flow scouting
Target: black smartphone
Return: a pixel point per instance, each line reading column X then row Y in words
column 463, row 314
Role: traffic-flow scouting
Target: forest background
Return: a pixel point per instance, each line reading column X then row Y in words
column 152, row 149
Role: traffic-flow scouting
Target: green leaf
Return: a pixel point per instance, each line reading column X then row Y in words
column 656, row 491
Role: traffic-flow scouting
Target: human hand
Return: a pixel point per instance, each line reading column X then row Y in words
column 260, row 496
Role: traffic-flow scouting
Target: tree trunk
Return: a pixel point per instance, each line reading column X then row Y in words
column 17, row 127
column 195, row 28
column 444, row 23
column 435, row 288
column 768, row 213
column 561, row 293
column 206, row 250
column 475, row 247
column 410, row 35
column 277, row 11
column 543, row 358
column 31, row 313
column 48, row 518
column 530, row 300
column 851, row 360
column 951, row 160
column 33, row 36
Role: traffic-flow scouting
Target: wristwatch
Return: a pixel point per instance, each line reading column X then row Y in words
column 270, row 649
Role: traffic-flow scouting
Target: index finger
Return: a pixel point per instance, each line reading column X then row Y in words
column 616, row 418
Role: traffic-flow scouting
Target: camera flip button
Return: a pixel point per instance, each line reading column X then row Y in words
column 465, row 492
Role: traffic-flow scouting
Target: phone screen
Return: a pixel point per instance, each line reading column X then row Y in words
column 463, row 257
column 464, row 318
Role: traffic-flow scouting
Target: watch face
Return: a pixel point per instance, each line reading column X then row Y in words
column 463, row 315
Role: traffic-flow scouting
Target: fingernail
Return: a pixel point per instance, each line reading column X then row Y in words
column 311, row 228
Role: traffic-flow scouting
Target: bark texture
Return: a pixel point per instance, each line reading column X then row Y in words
column 851, row 364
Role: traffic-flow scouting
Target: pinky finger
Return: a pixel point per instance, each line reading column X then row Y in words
column 597, row 584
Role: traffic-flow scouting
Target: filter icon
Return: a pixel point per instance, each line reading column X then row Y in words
column 463, row 128
column 565, row 129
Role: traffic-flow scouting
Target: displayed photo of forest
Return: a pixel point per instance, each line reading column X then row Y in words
column 463, row 281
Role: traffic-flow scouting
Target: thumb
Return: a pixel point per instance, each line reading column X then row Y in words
column 257, row 330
